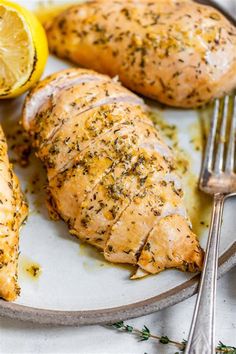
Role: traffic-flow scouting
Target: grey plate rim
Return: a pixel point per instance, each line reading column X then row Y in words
column 112, row 315
column 141, row 308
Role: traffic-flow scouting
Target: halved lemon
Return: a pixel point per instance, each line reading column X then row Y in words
column 23, row 49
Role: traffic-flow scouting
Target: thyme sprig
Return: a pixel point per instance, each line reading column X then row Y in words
column 222, row 348
column 145, row 334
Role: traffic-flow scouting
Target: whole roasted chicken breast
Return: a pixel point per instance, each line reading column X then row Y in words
column 178, row 52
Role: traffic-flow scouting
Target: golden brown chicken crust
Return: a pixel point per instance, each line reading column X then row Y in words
column 178, row 52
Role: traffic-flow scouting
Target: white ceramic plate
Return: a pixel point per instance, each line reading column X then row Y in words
column 75, row 285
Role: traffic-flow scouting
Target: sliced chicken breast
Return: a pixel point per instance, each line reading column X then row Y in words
column 120, row 186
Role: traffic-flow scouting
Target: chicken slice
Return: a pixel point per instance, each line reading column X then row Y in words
column 103, row 206
column 158, row 198
column 74, row 100
column 52, row 85
column 171, row 244
column 13, row 211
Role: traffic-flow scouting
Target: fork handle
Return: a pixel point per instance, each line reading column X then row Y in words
column 202, row 333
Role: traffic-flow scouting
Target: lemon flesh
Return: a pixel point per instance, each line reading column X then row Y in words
column 23, row 49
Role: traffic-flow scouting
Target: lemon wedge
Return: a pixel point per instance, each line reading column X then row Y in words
column 23, row 49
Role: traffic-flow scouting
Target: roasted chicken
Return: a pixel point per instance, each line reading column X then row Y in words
column 13, row 210
column 110, row 175
column 175, row 51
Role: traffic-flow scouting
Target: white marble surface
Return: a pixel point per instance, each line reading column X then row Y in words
column 17, row 337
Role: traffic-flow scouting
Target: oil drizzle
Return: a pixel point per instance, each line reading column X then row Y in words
column 93, row 260
column 29, row 268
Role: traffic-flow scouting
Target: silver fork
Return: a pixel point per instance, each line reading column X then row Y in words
column 219, row 179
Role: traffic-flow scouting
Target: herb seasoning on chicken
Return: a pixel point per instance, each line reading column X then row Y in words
column 110, row 175
column 175, row 51
column 13, row 210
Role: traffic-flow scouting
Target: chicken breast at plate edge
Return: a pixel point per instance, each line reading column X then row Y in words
column 13, row 211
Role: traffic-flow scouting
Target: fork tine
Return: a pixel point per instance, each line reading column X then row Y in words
column 221, row 143
column 230, row 159
column 208, row 159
